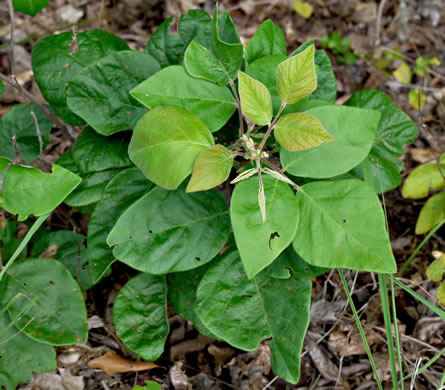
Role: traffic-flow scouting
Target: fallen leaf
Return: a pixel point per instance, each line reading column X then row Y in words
column 415, row 100
column 112, row 364
column 303, row 9
column 403, row 73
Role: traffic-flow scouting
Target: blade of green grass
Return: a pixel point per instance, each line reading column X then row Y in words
column 360, row 328
column 426, row 365
column 396, row 331
column 425, row 240
column 23, row 243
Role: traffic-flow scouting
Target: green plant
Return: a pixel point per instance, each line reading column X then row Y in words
column 340, row 47
column 198, row 104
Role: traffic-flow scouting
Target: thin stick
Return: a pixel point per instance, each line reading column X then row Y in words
column 379, row 23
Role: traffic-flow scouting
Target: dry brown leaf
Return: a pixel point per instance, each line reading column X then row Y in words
column 421, row 155
column 112, row 364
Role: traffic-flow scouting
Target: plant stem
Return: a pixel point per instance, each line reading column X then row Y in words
column 271, row 127
column 24, row 242
column 360, row 328
column 387, row 319
column 425, row 240
column 240, row 110
column 396, row 331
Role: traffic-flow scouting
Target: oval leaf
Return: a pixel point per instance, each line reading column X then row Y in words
column 45, row 287
column 140, row 315
column 100, row 92
column 300, row 131
column 432, row 213
column 424, row 178
column 55, row 61
column 269, row 40
column 29, row 7
column 21, row 356
column 243, row 312
column 93, row 152
column 168, row 133
column 18, row 121
column 296, row 76
column 353, row 130
column 212, row 167
column 256, row 101
column 173, row 86
column 171, row 231
column 395, row 129
column 119, row 194
column 260, row 243
column 332, row 233
column 25, row 190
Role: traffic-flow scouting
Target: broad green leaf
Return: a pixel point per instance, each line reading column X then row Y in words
column 18, row 121
column 149, row 385
column 212, row 167
column 30, row 191
column 354, row 132
column 21, row 356
column 289, row 262
column 182, row 288
column 58, row 58
column 69, row 249
column 432, row 213
column 395, row 130
column 424, row 178
column 122, row 191
column 173, row 86
column 403, row 73
column 168, row 133
column 2, row 88
column 66, row 161
column 100, row 92
column 332, row 232
column 91, row 189
column 218, row 60
column 326, row 81
column 140, row 315
column 93, row 152
column 296, row 76
column 169, row 48
column 300, row 131
column 260, row 243
column 171, row 231
column 256, row 101
column 29, row 7
column 417, row 99
column 269, row 40
column 436, row 269
column 243, row 312
column 50, row 306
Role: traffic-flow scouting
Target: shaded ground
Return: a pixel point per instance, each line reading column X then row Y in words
column 333, row 353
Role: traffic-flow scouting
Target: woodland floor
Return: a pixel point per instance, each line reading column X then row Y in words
column 333, row 355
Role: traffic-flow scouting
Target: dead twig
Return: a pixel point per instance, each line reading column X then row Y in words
column 16, row 160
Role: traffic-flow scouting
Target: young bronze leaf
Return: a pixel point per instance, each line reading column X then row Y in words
column 212, row 167
column 168, row 134
column 300, row 131
column 256, row 101
column 296, row 76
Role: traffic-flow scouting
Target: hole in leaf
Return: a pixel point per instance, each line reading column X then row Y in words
column 247, row 296
column 272, row 236
column 150, row 231
column 130, row 237
column 344, row 220
column 197, row 258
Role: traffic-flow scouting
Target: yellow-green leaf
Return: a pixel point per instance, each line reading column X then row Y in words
column 432, row 213
column 256, row 101
column 436, row 269
column 165, row 144
column 417, row 99
column 296, row 76
column 300, row 131
column 424, row 178
column 441, row 293
column 403, row 73
column 212, row 167
column 303, row 9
